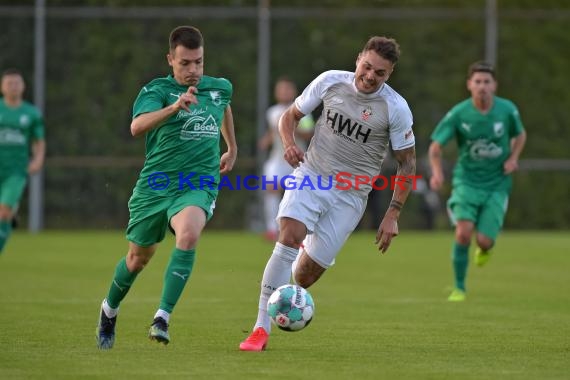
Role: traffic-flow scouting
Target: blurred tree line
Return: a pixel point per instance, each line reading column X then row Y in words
column 97, row 65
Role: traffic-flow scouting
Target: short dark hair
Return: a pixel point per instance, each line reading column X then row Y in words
column 11, row 71
column 187, row 36
column 480, row 67
column 385, row 47
column 285, row 78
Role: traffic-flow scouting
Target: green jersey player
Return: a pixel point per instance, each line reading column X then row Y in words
column 22, row 147
column 182, row 116
column 490, row 138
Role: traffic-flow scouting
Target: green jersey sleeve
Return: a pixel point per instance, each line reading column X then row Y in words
column 516, row 125
column 150, row 99
column 445, row 130
column 38, row 129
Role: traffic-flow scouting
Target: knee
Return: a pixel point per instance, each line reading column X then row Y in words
column 291, row 236
column 5, row 213
column 484, row 242
column 186, row 240
column 290, row 241
column 463, row 236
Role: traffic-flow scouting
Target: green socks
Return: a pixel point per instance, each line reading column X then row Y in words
column 5, row 231
column 175, row 278
column 460, row 260
column 177, row 274
column 121, row 284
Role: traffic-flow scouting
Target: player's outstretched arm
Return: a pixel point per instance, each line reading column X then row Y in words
column 228, row 159
column 406, row 159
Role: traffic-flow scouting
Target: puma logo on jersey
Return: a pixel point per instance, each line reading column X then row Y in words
column 117, row 285
column 335, row 101
column 466, row 127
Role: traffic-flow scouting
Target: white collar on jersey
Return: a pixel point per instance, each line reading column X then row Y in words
column 371, row 95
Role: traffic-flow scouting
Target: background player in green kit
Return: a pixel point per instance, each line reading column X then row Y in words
column 182, row 116
column 490, row 138
column 22, row 147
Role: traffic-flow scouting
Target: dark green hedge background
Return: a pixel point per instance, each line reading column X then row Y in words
column 95, row 68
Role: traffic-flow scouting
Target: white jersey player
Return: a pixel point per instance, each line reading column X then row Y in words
column 361, row 116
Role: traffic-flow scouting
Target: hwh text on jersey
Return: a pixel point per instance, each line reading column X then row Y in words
column 344, row 126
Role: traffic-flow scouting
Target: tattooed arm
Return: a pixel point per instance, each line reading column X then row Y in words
column 404, row 181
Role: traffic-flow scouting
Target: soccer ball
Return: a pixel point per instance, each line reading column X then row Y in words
column 291, row 307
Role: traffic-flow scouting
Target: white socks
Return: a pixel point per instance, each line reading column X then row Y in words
column 162, row 314
column 277, row 272
column 108, row 310
column 111, row 313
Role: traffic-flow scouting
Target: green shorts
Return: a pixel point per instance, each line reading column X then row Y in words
column 150, row 214
column 486, row 209
column 11, row 189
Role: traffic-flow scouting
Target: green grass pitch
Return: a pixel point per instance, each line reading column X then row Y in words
column 377, row 316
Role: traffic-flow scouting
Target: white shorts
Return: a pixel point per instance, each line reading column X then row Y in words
column 330, row 215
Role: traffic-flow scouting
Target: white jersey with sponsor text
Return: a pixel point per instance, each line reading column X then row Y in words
column 354, row 129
